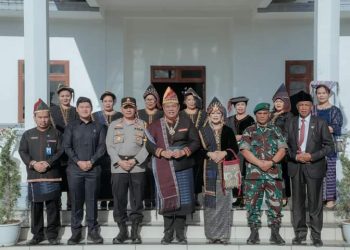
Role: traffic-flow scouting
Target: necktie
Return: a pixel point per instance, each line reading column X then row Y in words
column 301, row 134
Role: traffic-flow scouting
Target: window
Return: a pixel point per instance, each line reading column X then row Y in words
column 58, row 73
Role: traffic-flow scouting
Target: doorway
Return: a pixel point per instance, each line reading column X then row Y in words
column 299, row 75
column 179, row 78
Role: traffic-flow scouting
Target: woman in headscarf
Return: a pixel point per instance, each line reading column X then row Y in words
column 151, row 113
column 194, row 111
column 280, row 116
column 219, row 143
column 239, row 122
column 61, row 115
column 105, row 117
column 332, row 114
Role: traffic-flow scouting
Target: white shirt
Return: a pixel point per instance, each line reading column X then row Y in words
column 307, row 125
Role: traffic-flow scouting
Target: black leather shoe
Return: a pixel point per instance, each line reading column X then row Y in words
column 134, row 234
column 182, row 241
column 298, row 240
column 123, row 234
column 110, row 205
column 167, row 239
column 35, row 241
column 75, row 239
column 317, row 242
column 103, row 205
column 54, row 241
column 95, row 237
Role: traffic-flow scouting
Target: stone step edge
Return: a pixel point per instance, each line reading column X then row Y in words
column 192, row 241
column 238, row 225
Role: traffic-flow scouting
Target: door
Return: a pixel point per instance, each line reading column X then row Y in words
column 179, row 78
column 299, row 75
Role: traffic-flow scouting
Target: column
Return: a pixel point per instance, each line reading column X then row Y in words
column 326, row 40
column 36, row 51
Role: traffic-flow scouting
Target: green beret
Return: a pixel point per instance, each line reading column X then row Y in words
column 261, row 106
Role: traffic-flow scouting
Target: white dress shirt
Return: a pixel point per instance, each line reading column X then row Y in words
column 307, row 125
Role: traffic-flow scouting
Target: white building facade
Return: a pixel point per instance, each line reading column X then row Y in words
column 112, row 46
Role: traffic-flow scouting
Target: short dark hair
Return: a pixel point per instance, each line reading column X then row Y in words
column 323, row 86
column 83, row 99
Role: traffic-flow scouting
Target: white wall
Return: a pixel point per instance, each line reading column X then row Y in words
column 178, row 42
column 261, row 48
column 83, row 43
column 344, row 79
column 242, row 56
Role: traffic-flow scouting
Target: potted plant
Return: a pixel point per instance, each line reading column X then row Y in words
column 9, row 188
column 343, row 203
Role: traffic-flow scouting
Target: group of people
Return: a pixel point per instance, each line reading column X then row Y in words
column 166, row 157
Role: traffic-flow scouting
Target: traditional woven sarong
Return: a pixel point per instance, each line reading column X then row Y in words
column 43, row 191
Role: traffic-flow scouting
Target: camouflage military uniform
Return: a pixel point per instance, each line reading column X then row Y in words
column 264, row 143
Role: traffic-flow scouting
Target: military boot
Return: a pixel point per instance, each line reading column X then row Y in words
column 276, row 238
column 254, row 235
column 135, row 236
column 123, row 234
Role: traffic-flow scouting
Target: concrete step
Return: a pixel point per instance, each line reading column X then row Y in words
column 330, row 232
column 151, row 217
column 193, row 244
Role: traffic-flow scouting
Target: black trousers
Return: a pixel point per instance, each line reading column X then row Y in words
column 150, row 191
column 53, row 219
column 175, row 223
column 84, row 188
column 303, row 186
column 121, row 184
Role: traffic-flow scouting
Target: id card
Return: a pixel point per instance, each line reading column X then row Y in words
column 48, row 151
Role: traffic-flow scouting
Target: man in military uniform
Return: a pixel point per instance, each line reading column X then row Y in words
column 126, row 147
column 263, row 146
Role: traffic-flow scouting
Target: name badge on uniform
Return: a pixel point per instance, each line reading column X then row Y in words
column 48, row 151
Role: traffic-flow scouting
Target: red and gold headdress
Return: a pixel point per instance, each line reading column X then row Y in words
column 170, row 96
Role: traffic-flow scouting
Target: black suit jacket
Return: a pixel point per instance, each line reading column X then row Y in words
column 319, row 144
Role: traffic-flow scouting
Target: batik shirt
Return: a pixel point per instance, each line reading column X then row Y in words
column 263, row 142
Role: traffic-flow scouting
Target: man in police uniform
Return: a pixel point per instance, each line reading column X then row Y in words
column 263, row 146
column 126, row 146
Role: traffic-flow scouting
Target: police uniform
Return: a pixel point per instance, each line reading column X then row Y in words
column 263, row 142
column 126, row 141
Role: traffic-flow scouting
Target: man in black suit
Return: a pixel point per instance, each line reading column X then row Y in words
column 309, row 142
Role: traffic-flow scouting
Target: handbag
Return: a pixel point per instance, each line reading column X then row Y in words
column 340, row 144
column 232, row 176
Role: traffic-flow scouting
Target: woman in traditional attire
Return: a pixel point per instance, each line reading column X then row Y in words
column 198, row 117
column 239, row 122
column 61, row 115
column 219, row 142
column 332, row 114
column 152, row 112
column 280, row 117
column 172, row 140
column 105, row 117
